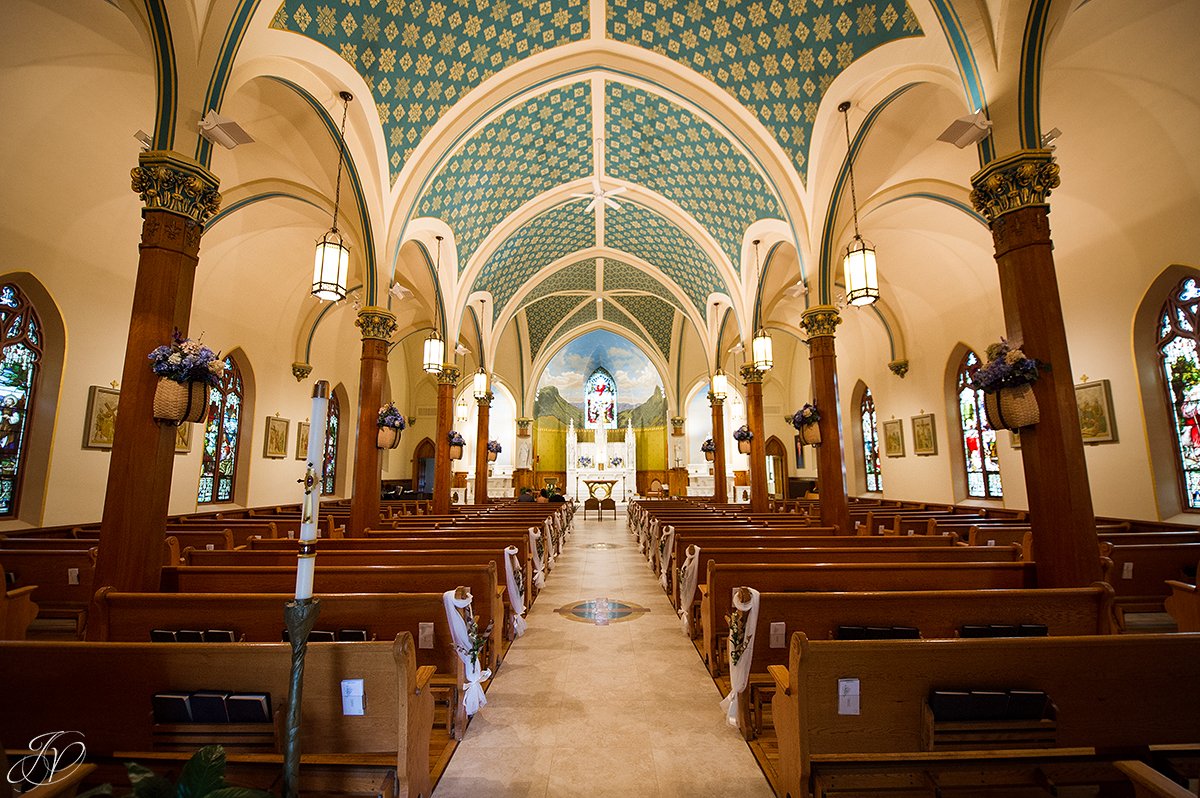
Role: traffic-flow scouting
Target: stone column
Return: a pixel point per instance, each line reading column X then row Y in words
column 179, row 196
column 820, row 322
column 481, row 452
column 523, row 470
column 677, row 479
column 720, row 490
column 377, row 326
column 752, row 378
column 1012, row 195
column 447, row 379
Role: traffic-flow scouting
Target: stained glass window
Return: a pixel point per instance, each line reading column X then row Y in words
column 20, row 350
column 333, row 426
column 218, row 467
column 1177, row 347
column 600, row 400
column 870, row 442
column 978, row 437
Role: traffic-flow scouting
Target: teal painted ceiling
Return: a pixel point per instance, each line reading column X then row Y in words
column 653, row 142
column 533, row 147
column 620, row 276
column 640, row 231
column 544, row 315
column 776, row 58
column 584, row 315
column 419, row 57
column 655, row 315
column 576, row 277
column 554, row 234
column 614, row 315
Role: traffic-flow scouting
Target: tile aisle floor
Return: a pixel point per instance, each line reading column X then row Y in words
column 626, row 709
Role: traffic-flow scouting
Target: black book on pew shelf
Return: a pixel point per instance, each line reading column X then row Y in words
column 219, row 636
column 988, row 704
column 1027, row 704
column 851, row 633
column 189, row 636
column 948, row 705
column 321, row 636
column 249, row 707
column 352, row 635
column 1032, row 630
column 974, row 630
column 162, row 636
column 1003, row 630
column 906, row 633
column 172, row 708
column 208, row 706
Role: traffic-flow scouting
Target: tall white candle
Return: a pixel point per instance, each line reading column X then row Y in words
column 311, row 504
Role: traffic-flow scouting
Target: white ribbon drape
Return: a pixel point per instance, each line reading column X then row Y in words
column 687, row 586
column 516, row 592
column 539, row 568
column 666, row 552
column 473, row 697
column 739, row 674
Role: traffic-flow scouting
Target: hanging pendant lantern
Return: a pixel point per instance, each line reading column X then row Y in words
column 762, row 351
column 434, row 354
column 720, row 385
column 332, row 261
column 859, row 271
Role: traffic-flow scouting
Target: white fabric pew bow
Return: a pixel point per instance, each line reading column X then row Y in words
column 473, row 696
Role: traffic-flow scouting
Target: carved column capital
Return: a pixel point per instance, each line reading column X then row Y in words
column 523, row 427
column 1021, row 180
column 376, row 323
column 899, row 367
column 752, row 374
column 714, row 400
column 169, row 181
column 301, row 371
column 449, row 374
column 677, row 423
column 820, row 320
column 485, row 400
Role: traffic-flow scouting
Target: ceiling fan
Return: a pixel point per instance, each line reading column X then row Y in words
column 598, row 193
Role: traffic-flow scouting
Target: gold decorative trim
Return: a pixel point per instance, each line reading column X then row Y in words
column 449, row 374
column 899, row 368
column 169, row 181
column 752, row 374
column 1021, row 180
column 820, row 320
column 485, row 400
column 714, row 401
column 301, row 371
column 376, row 323
column 677, row 423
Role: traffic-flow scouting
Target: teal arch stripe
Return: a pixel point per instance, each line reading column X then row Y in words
column 827, row 248
column 238, row 23
column 942, row 198
column 317, row 322
column 437, row 286
column 364, row 217
column 245, row 202
column 1030, row 86
column 166, row 75
column 887, row 328
column 762, row 281
column 968, row 69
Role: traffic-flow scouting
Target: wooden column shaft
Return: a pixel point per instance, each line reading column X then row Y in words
column 758, row 446
column 831, row 463
column 481, row 459
column 364, row 502
column 720, row 491
column 445, row 421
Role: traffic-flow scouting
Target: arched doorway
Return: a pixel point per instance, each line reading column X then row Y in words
column 422, row 471
column 776, row 468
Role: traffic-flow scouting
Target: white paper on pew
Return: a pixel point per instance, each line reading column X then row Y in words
column 353, row 697
column 739, row 674
column 473, row 697
column 516, row 596
column 687, row 586
column 848, row 697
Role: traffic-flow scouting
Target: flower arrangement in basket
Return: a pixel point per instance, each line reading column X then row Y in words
column 805, row 421
column 743, row 436
column 186, row 369
column 391, row 423
column 493, row 449
column 456, row 444
column 709, row 448
column 1006, row 382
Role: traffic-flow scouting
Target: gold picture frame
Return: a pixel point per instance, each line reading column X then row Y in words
column 275, row 441
column 893, row 438
column 302, row 430
column 183, row 438
column 924, row 435
column 100, row 422
column 1096, row 422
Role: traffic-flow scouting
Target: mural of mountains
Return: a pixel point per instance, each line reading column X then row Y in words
column 550, row 402
column 651, row 413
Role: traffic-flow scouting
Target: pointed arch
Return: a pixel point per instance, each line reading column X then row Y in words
column 333, row 471
column 224, row 462
column 975, row 456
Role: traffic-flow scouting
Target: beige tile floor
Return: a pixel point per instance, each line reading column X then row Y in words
column 625, row 710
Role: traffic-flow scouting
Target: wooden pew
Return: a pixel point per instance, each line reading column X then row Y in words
column 17, row 609
column 1140, row 573
column 716, row 591
column 106, row 689
column 1184, row 605
column 63, row 580
column 1127, row 697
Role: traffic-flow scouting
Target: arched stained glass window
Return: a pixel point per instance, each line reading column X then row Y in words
column 1177, row 346
column 333, row 428
column 20, row 350
column 600, row 400
column 870, row 442
column 221, row 436
column 978, row 438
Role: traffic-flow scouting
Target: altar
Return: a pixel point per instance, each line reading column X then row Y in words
column 600, row 468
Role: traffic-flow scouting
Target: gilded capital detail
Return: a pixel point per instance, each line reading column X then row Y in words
column 899, row 367
column 820, row 320
column 376, row 323
column 677, row 425
column 168, row 181
column 1022, row 180
column 751, row 374
column 485, row 400
column 714, row 401
column 523, row 426
column 449, row 374
column 301, row 371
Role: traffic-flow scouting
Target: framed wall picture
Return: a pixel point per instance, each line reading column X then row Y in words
column 1096, row 420
column 799, row 452
column 924, row 435
column 302, row 428
column 275, row 444
column 893, row 438
column 183, row 438
column 100, row 423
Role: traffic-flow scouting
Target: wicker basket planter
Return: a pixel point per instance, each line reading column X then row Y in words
column 456, row 452
column 810, row 434
column 1011, row 408
column 491, row 457
column 744, row 447
column 709, row 456
column 180, row 402
column 387, row 438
